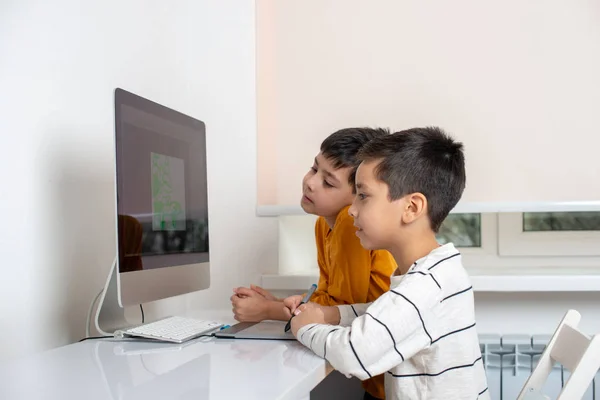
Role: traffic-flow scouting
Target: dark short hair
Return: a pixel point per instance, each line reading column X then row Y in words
column 424, row 160
column 342, row 147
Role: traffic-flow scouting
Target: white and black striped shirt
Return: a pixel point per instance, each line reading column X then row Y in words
column 421, row 334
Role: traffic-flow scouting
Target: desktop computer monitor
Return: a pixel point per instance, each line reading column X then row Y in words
column 161, row 206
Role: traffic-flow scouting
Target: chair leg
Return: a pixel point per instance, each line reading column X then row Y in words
column 541, row 372
column 582, row 376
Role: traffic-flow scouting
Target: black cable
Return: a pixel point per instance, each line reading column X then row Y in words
column 95, row 337
column 142, row 310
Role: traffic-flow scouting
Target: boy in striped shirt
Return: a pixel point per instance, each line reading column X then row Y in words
column 421, row 333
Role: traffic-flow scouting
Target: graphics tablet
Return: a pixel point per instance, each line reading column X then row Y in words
column 265, row 330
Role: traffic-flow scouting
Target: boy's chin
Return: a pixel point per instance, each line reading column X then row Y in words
column 308, row 208
column 366, row 244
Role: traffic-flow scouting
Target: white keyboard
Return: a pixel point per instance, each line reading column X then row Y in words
column 174, row 329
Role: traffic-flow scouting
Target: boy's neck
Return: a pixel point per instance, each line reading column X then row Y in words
column 333, row 218
column 416, row 247
column 330, row 221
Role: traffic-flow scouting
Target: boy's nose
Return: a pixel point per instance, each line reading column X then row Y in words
column 310, row 183
column 352, row 210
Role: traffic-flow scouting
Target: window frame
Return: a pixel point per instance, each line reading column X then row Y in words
column 489, row 237
column 513, row 241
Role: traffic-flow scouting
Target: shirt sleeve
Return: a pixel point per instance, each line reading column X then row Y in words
column 348, row 313
column 390, row 331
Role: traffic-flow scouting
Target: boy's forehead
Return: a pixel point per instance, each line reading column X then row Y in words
column 321, row 159
column 366, row 172
column 327, row 165
column 324, row 162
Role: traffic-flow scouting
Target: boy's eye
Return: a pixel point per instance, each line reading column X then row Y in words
column 361, row 196
column 327, row 184
column 313, row 169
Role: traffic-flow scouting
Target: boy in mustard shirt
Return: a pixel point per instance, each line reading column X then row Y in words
column 349, row 274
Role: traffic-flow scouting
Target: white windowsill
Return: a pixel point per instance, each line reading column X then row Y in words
column 481, row 283
column 480, row 207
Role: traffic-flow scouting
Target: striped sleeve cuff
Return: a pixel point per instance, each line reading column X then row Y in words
column 347, row 315
column 314, row 336
column 304, row 335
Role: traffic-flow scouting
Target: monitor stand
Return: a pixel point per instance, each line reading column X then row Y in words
column 110, row 316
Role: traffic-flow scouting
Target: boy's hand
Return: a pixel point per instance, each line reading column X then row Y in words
column 265, row 293
column 310, row 313
column 242, row 291
column 249, row 305
column 292, row 303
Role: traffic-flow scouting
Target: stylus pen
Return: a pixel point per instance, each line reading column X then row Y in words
column 305, row 300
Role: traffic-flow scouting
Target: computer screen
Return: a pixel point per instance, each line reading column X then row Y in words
column 161, row 189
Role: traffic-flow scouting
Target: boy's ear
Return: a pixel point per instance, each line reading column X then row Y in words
column 415, row 206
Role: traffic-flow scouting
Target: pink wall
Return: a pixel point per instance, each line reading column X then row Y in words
column 516, row 81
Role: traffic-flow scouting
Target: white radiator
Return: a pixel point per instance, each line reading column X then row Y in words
column 510, row 359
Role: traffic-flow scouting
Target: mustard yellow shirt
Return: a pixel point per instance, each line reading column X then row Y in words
column 349, row 273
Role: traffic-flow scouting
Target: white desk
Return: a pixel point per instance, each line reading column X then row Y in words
column 207, row 368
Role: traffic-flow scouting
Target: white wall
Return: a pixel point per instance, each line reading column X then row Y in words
column 534, row 313
column 59, row 64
